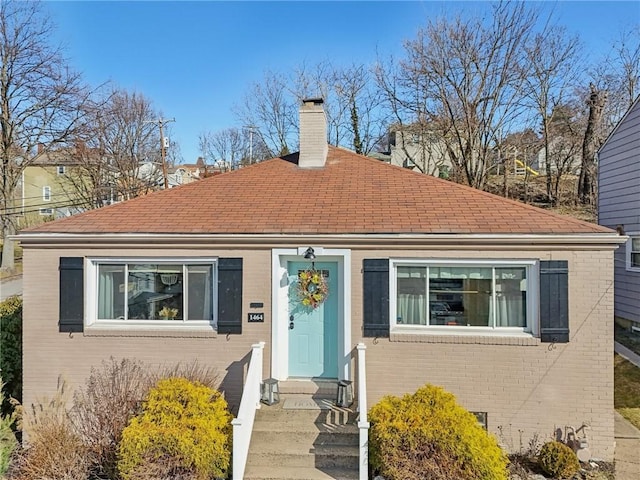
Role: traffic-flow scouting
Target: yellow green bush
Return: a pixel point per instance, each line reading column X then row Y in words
column 558, row 460
column 428, row 435
column 183, row 421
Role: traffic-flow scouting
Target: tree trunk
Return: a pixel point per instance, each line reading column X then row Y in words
column 590, row 145
column 7, row 246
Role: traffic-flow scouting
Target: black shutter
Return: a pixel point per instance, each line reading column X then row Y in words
column 375, row 292
column 71, row 294
column 554, row 301
column 230, row 295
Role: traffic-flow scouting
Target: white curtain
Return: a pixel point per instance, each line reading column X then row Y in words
column 510, row 311
column 412, row 309
column 107, row 289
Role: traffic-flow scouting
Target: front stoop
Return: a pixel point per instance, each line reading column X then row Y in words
column 306, row 443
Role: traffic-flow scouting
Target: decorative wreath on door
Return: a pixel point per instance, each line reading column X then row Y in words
column 312, row 288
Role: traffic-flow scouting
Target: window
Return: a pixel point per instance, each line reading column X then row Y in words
column 46, row 211
column 463, row 295
column 633, row 252
column 61, row 169
column 46, row 193
column 152, row 292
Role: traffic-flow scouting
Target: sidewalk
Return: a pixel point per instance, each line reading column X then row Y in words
column 627, row 354
column 627, row 454
column 10, row 286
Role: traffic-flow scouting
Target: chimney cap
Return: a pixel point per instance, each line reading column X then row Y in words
column 313, row 101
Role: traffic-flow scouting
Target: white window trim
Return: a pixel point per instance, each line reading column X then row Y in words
column 46, row 193
column 46, row 211
column 61, row 169
column 91, row 297
column 533, row 298
column 628, row 243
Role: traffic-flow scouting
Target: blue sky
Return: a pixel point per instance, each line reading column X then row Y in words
column 195, row 60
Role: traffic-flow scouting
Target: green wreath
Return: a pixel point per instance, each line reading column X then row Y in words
column 312, row 288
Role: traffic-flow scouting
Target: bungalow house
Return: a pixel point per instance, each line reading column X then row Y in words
column 507, row 306
column 619, row 207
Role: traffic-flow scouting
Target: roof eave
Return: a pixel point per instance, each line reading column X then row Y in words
column 603, row 240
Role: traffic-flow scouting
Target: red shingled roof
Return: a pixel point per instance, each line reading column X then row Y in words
column 352, row 194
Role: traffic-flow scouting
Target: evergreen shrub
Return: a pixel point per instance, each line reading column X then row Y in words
column 185, row 426
column 11, row 350
column 558, row 460
column 428, row 435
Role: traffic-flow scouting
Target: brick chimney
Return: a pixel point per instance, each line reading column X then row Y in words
column 313, row 134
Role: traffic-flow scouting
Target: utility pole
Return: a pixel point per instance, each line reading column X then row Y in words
column 161, row 122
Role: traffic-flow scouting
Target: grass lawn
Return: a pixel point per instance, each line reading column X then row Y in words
column 627, row 389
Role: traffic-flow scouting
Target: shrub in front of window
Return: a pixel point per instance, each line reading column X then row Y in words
column 113, row 394
column 558, row 460
column 184, row 430
column 102, row 409
column 427, row 434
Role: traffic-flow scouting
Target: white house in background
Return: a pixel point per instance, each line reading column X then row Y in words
column 619, row 207
column 420, row 150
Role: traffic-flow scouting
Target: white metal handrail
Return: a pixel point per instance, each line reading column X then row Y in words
column 363, row 423
column 250, row 402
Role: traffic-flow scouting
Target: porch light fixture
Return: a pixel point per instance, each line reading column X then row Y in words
column 345, row 393
column 309, row 254
column 269, row 391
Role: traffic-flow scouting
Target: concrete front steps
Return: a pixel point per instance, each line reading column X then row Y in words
column 304, row 437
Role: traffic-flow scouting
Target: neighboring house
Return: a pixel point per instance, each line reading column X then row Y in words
column 619, row 207
column 565, row 154
column 45, row 186
column 420, row 150
column 505, row 305
column 179, row 175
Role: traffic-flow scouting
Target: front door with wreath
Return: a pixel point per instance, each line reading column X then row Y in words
column 313, row 319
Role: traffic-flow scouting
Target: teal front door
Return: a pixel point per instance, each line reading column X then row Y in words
column 313, row 332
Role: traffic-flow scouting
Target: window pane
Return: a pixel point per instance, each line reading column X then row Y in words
column 635, row 244
column 460, row 295
column 155, row 292
column 412, row 295
column 635, row 259
column 199, row 297
column 511, row 297
column 111, row 288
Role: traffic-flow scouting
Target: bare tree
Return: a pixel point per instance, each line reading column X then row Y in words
column 549, row 72
column 129, row 138
column 226, row 149
column 593, row 138
column 357, row 95
column 116, row 152
column 39, row 100
column 464, row 76
column 268, row 107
